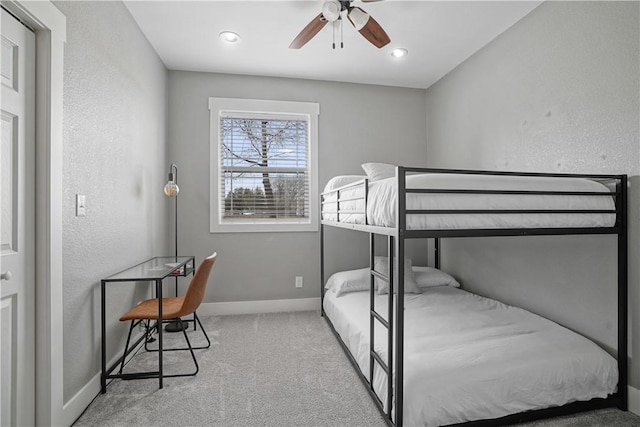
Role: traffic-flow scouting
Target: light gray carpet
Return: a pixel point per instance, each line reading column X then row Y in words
column 282, row 369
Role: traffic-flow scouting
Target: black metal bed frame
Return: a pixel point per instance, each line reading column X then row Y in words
column 396, row 237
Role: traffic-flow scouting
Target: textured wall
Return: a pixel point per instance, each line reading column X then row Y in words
column 558, row 92
column 357, row 123
column 115, row 101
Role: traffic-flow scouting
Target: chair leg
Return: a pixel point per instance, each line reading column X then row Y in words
column 149, row 329
column 197, row 319
column 193, row 355
column 148, row 332
column 126, row 346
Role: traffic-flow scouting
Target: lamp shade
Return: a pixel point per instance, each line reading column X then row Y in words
column 358, row 18
column 331, row 10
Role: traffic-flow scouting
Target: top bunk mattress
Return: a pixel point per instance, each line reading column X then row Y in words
column 468, row 357
column 382, row 203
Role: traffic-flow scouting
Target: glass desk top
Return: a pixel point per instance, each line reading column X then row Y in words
column 155, row 268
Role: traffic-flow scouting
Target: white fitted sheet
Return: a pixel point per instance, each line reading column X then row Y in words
column 381, row 207
column 469, row 357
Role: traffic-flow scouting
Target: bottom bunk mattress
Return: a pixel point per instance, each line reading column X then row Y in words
column 469, row 358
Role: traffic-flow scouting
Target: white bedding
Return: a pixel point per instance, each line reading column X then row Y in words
column 381, row 208
column 469, row 358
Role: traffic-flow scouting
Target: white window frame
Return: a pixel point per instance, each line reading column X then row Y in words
column 217, row 106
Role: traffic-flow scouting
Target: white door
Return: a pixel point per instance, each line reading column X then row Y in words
column 17, row 188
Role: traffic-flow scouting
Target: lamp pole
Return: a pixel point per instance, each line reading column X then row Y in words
column 175, row 228
column 171, row 189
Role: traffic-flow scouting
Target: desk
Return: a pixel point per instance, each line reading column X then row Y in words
column 153, row 270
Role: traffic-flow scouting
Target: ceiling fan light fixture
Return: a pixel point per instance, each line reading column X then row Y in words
column 399, row 52
column 229, row 37
column 358, row 18
column 331, row 10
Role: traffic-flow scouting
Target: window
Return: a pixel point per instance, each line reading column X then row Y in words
column 263, row 165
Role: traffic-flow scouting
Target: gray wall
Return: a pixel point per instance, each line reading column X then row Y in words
column 357, row 123
column 115, row 102
column 557, row 92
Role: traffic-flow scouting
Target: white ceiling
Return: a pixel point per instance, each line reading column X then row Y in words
column 439, row 35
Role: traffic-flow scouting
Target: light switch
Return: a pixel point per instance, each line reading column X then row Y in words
column 81, row 205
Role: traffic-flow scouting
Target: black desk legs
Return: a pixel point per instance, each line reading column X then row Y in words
column 103, row 376
column 160, row 328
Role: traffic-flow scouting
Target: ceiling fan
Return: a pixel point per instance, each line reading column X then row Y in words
column 333, row 11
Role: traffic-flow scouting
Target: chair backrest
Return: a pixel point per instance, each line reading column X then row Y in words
column 198, row 286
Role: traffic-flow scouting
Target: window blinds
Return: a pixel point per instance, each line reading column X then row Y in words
column 264, row 167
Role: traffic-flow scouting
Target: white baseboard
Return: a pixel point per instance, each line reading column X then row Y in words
column 254, row 307
column 634, row 400
column 72, row 409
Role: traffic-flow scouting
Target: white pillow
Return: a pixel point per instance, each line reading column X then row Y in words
column 427, row 277
column 378, row 171
column 341, row 181
column 349, row 281
column 381, row 265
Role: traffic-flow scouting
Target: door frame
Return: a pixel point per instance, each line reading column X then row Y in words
column 50, row 28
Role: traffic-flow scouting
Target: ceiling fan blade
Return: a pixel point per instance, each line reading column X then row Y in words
column 368, row 27
column 308, row 32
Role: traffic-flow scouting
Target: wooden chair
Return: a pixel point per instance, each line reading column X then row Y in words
column 173, row 308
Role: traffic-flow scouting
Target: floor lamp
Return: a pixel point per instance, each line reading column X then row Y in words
column 171, row 190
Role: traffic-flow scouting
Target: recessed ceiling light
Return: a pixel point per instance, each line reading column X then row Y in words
column 399, row 52
column 229, row 37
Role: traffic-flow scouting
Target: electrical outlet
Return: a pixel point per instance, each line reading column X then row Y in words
column 298, row 281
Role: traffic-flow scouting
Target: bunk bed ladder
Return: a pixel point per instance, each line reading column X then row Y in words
column 388, row 324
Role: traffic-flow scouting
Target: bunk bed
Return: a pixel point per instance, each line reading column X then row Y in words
column 438, row 355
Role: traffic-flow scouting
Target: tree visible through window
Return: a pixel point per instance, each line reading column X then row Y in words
column 264, row 162
column 265, row 167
